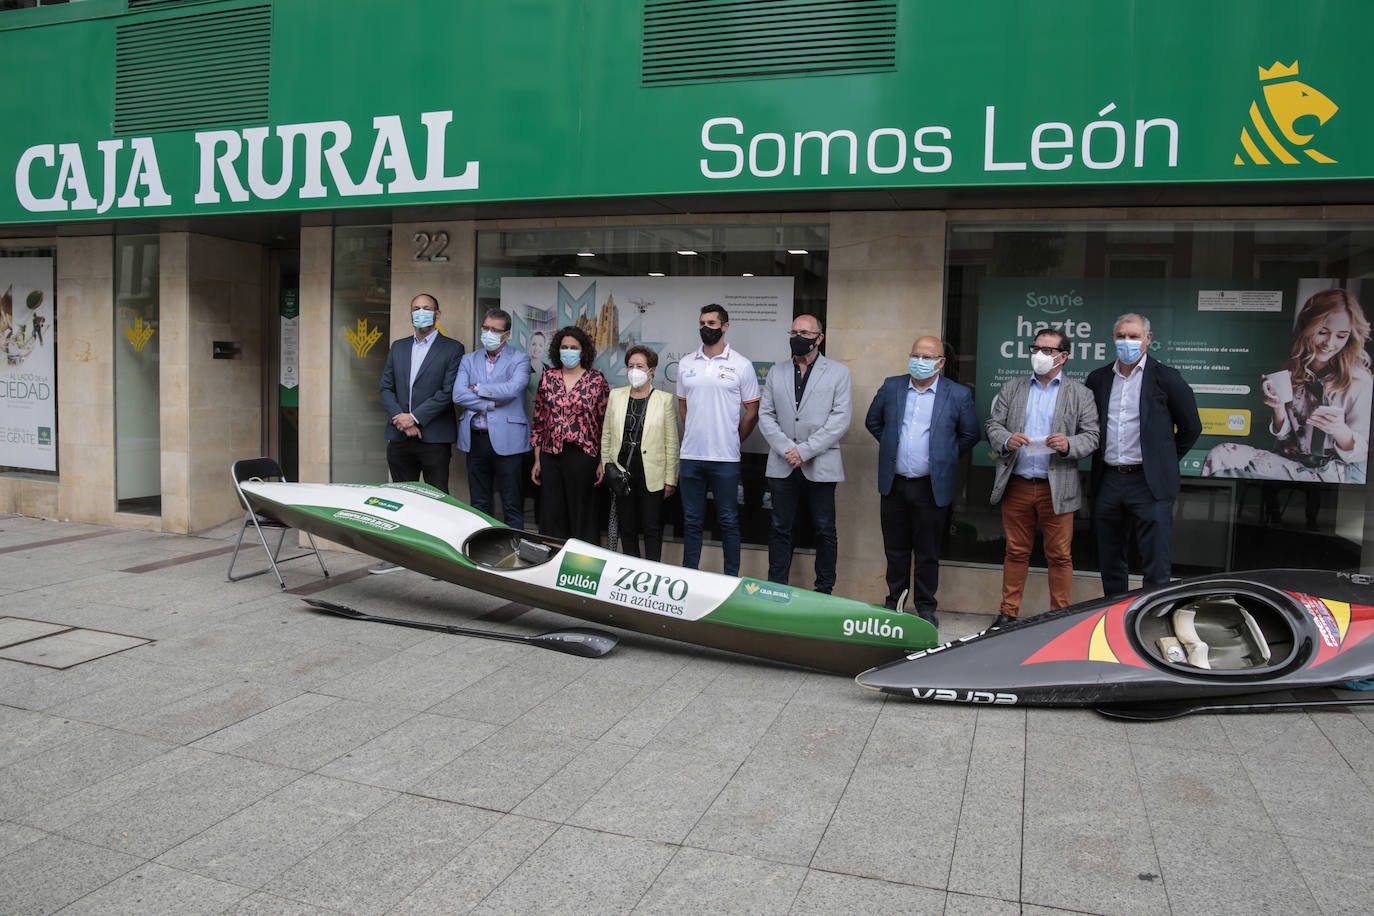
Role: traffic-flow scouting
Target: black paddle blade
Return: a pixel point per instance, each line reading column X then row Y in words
column 577, row 641
column 1276, row 702
column 581, row 642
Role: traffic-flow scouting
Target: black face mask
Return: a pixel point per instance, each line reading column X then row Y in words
column 711, row 336
column 802, row 346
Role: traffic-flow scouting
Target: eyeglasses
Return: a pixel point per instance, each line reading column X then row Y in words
column 809, row 335
column 1048, row 351
column 487, row 327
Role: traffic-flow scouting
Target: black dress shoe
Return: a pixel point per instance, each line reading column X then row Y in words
column 1003, row 620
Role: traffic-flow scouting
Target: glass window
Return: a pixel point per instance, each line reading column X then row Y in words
column 646, row 284
column 360, row 325
column 1238, row 307
column 137, row 389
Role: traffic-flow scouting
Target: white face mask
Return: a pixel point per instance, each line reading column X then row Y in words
column 1041, row 363
column 638, row 378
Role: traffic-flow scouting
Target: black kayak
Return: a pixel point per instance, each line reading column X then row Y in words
column 1214, row 636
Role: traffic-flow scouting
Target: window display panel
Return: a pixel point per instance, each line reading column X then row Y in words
column 360, row 335
column 28, row 362
column 645, row 285
column 1265, row 321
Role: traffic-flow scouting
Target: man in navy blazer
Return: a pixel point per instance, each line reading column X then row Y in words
column 1148, row 420
column 924, row 424
column 417, row 392
column 494, row 429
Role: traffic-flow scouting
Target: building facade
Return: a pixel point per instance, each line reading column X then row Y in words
column 214, row 213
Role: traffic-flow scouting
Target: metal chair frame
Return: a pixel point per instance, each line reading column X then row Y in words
column 265, row 469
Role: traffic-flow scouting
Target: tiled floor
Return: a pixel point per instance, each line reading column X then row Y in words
column 256, row 757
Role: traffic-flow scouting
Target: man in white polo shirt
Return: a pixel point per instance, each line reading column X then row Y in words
column 712, row 385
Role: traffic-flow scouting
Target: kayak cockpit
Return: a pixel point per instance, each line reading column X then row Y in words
column 1218, row 633
column 510, row 548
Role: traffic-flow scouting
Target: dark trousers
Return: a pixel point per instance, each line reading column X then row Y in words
column 410, row 459
column 913, row 526
column 567, row 501
column 487, row 471
column 820, row 498
column 640, row 513
column 1124, row 504
column 695, row 477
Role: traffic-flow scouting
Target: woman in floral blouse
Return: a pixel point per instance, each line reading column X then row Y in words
column 569, row 408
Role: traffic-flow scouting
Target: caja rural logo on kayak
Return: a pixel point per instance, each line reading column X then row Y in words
column 380, row 503
column 638, row 588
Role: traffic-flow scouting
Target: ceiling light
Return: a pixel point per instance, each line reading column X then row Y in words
column 797, row 251
column 572, row 275
column 686, row 252
column 655, row 273
column 746, row 275
column 586, row 254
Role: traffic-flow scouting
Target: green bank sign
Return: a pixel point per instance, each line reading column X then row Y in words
column 1057, row 92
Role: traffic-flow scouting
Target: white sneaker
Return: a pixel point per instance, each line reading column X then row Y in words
column 383, row 568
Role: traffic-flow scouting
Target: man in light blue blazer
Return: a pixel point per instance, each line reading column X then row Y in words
column 924, row 424
column 494, row 429
column 804, row 410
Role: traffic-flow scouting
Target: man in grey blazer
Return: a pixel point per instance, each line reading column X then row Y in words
column 1041, row 425
column 804, row 409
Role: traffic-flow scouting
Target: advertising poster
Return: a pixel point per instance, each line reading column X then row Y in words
column 659, row 312
column 1281, row 397
column 28, row 371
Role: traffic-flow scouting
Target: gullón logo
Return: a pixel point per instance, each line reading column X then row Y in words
column 382, row 503
column 1286, row 101
column 871, row 626
column 580, row 573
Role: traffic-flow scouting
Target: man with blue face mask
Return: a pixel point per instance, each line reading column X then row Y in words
column 924, row 425
column 417, row 392
column 1148, row 419
column 493, row 428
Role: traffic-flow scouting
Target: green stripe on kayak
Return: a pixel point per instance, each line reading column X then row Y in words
column 771, row 608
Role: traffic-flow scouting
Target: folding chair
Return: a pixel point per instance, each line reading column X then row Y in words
column 265, row 469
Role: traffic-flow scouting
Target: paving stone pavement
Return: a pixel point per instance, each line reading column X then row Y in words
column 256, row 757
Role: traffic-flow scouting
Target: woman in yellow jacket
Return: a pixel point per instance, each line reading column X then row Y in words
column 640, row 438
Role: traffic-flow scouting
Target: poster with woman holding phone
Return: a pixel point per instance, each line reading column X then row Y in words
column 1317, row 402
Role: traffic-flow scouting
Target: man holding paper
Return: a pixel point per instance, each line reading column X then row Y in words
column 1041, row 425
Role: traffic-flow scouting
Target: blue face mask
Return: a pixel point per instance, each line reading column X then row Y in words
column 491, row 340
column 422, row 318
column 1128, row 351
column 920, row 367
column 570, row 358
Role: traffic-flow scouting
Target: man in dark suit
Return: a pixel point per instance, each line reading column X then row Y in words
column 417, row 392
column 924, row 425
column 1148, row 419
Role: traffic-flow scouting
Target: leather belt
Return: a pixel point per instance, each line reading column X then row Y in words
column 1126, row 468
column 1025, row 479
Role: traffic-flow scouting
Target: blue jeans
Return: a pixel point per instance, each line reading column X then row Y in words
column 722, row 478
column 820, row 497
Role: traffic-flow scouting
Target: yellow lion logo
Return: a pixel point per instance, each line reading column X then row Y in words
column 1287, row 100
